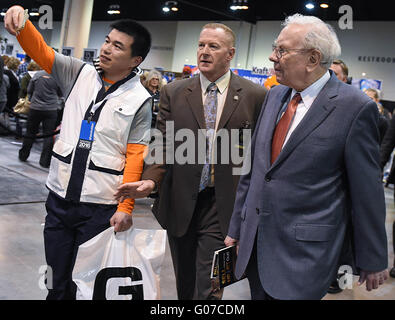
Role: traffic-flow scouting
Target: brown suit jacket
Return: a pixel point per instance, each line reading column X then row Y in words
column 181, row 102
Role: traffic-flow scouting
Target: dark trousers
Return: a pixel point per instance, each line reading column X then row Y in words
column 67, row 225
column 48, row 119
column 393, row 239
column 192, row 253
column 256, row 288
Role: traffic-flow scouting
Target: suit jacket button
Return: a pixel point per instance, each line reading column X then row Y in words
column 257, row 211
column 268, row 179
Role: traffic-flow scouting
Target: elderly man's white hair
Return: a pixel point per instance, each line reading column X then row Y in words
column 321, row 37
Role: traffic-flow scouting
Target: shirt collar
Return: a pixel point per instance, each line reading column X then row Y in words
column 222, row 82
column 310, row 93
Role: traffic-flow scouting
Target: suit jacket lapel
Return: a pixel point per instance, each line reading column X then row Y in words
column 317, row 113
column 194, row 98
column 232, row 100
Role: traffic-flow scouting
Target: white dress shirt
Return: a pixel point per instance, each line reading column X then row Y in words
column 308, row 96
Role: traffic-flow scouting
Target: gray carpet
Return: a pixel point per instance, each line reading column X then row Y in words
column 17, row 188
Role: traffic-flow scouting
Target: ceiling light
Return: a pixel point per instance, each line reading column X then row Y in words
column 114, row 9
column 310, row 6
column 34, row 12
column 170, row 5
column 324, row 5
column 239, row 5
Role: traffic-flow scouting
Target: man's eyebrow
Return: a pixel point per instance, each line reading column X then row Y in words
column 116, row 42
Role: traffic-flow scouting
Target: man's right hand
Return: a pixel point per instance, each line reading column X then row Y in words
column 231, row 242
column 135, row 190
column 13, row 19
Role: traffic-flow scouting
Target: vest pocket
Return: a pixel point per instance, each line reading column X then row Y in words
column 92, row 166
column 63, row 151
column 59, row 174
column 107, row 164
column 105, row 171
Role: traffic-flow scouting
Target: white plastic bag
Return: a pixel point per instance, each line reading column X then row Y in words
column 121, row 266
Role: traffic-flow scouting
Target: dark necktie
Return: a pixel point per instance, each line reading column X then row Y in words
column 210, row 115
column 282, row 127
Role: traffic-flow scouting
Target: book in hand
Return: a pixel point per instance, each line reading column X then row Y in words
column 223, row 267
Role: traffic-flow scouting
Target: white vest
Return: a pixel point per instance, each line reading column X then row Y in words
column 106, row 160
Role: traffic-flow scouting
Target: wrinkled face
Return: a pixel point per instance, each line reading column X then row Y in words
column 116, row 54
column 291, row 69
column 338, row 71
column 214, row 53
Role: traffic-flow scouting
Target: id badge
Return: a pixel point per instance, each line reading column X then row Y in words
column 86, row 134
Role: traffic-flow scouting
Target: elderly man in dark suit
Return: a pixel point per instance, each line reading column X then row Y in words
column 196, row 198
column 315, row 177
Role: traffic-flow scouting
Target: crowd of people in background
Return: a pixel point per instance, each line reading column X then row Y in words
column 25, row 80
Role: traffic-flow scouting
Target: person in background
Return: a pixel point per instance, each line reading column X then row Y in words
column 4, row 84
column 13, row 91
column 186, row 72
column 374, row 94
column 143, row 77
column 5, row 59
column 153, row 84
column 32, row 68
column 22, row 69
column 340, row 69
column 44, row 95
column 384, row 115
column 386, row 150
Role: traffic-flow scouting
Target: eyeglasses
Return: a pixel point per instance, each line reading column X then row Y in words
column 279, row 52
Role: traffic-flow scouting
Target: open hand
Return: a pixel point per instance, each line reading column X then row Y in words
column 373, row 279
column 134, row 190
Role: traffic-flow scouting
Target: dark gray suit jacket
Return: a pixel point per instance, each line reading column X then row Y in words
column 181, row 102
column 327, row 175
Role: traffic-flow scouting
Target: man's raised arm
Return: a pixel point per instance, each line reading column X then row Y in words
column 17, row 23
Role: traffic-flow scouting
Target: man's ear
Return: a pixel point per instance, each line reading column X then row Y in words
column 314, row 59
column 136, row 61
column 231, row 53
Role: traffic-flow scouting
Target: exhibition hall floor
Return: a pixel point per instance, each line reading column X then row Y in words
column 22, row 214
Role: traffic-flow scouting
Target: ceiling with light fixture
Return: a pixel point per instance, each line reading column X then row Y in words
column 216, row 10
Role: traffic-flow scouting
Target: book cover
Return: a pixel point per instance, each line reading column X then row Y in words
column 223, row 267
